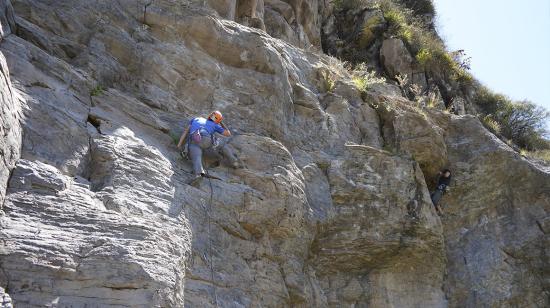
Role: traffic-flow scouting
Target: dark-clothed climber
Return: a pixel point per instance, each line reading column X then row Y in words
column 443, row 182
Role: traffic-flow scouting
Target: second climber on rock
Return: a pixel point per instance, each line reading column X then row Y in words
column 443, row 182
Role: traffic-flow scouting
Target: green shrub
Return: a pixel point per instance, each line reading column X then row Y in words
column 98, row 90
column 367, row 34
column 329, row 81
column 522, row 122
column 394, row 16
column 420, row 7
column 361, row 83
column 543, row 155
column 363, row 79
column 492, row 125
column 428, row 49
column 424, row 56
column 398, row 18
column 488, row 101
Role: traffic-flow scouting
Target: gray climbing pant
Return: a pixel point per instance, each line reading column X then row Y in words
column 196, row 152
column 436, row 196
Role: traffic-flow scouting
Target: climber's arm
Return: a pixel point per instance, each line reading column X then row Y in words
column 226, row 131
column 183, row 136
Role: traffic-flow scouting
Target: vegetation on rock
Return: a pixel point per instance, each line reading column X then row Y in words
column 521, row 122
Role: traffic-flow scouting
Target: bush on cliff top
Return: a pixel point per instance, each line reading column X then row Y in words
column 543, row 155
column 523, row 122
column 420, row 7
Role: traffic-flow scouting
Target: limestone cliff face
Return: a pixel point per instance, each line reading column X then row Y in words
column 97, row 210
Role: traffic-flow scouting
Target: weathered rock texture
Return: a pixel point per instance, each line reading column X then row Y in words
column 10, row 103
column 497, row 231
column 330, row 209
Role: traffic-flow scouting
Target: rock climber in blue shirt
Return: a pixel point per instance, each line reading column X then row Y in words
column 200, row 136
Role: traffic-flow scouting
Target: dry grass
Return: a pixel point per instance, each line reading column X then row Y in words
column 337, row 66
column 491, row 124
column 367, row 34
column 363, row 79
column 543, row 155
column 329, row 81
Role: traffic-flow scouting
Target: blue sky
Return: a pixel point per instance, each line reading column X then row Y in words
column 509, row 42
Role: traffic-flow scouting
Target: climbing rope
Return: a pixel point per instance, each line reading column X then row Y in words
column 208, row 210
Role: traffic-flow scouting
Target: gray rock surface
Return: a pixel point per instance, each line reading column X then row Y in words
column 330, row 209
column 10, row 107
column 5, row 299
column 496, row 227
column 398, row 61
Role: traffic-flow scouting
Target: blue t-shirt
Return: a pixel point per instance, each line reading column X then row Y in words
column 207, row 125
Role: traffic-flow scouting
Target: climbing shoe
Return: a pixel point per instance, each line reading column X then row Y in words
column 196, row 180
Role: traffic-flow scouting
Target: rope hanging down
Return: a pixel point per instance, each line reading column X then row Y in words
column 208, row 210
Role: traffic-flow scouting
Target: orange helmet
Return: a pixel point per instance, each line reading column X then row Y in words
column 216, row 116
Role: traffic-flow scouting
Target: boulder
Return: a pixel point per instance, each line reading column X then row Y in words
column 396, row 58
column 398, row 61
column 409, row 130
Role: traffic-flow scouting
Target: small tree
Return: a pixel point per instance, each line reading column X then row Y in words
column 524, row 123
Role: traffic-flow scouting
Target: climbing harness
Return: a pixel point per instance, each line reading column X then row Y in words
column 197, row 135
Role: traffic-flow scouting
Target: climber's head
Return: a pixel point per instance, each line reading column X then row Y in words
column 216, row 116
column 446, row 173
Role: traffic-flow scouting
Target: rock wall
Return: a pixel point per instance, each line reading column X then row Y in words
column 10, row 129
column 330, row 208
column 496, row 230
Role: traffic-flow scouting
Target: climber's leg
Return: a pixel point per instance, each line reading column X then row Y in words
column 224, row 152
column 229, row 156
column 195, row 153
column 436, row 197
